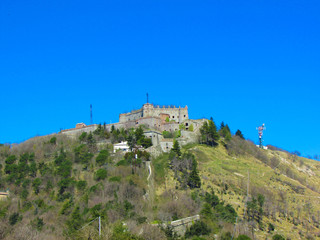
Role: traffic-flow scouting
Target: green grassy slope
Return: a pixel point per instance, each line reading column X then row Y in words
column 289, row 184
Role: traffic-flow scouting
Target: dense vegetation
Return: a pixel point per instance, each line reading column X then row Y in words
column 60, row 186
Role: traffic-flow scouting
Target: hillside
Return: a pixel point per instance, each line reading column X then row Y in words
column 59, row 186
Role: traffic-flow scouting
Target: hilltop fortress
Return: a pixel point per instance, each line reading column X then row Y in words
column 155, row 119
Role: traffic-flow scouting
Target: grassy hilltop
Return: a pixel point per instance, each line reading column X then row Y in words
column 59, row 186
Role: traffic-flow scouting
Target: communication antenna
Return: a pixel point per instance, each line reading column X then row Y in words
column 91, row 114
column 147, row 98
column 260, row 131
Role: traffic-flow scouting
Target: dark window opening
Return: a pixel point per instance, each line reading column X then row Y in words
column 187, row 124
column 184, row 115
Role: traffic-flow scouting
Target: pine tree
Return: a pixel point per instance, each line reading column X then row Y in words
column 194, row 179
column 176, row 148
column 222, row 125
column 226, row 133
column 239, row 134
column 213, row 134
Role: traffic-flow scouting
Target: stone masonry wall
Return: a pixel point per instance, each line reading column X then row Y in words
column 133, row 115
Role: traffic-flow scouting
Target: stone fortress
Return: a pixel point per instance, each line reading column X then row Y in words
column 155, row 119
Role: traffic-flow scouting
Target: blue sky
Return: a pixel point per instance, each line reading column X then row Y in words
column 241, row 62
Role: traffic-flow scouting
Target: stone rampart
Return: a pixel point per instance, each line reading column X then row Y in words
column 131, row 116
column 180, row 226
column 74, row 132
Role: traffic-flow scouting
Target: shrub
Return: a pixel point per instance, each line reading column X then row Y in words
column 243, row 237
column 278, row 237
column 102, row 158
column 270, row 227
column 36, row 184
column 101, row 174
column 115, row 179
column 38, row 223
column 226, row 236
column 83, row 136
column 14, row 218
column 81, row 185
column 53, row 140
column 197, row 229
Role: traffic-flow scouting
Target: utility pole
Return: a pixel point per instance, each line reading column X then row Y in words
column 99, row 226
column 91, row 114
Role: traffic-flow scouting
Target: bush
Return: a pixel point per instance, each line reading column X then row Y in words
column 53, row 140
column 243, row 237
column 83, row 136
column 81, row 185
column 102, row 158
column 278, row 237
column 101, row 174
column 36, row 184
column 270, row 227
column 226, row 236
column 38, row 223
column 14, row 218
column 197, row 229
column 115, row 179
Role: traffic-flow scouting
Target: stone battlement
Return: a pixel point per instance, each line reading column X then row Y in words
column 172, row 112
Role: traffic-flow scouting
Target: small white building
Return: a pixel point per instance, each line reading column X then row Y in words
column 122, row 146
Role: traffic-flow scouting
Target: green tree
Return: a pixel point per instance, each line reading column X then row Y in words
column 91, row 142
column 197, row 229
column 139, row 134
column 194, row 179
column 83, row 136
column 14, row 218
column 239, row 134
column 33, row 169
column 36, row 185
column 82, row 154
column 53, row 140
column 103, row 157
column 209, row 134
column 76, row 221
column 81, row 185
column 225, row 132
column 176, row 148
column 222, row 125
column 101, row 174
column 131, row 139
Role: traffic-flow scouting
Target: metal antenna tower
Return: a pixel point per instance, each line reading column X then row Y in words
column 91, row 114
column 260, row 131
column 147, row 98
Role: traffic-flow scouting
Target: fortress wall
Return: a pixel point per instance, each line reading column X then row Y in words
column 134, row 115
column 116, row 126
column 155, row 136
column 170, row 127
column 150, row 122
column 77, row 131
column 177, row 114
column 166, row 144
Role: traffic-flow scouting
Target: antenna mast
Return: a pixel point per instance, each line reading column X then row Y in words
column 260, row 131
column 147, row 98
column 91, row 114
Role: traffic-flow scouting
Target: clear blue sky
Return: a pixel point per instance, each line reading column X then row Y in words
column 241, row 62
